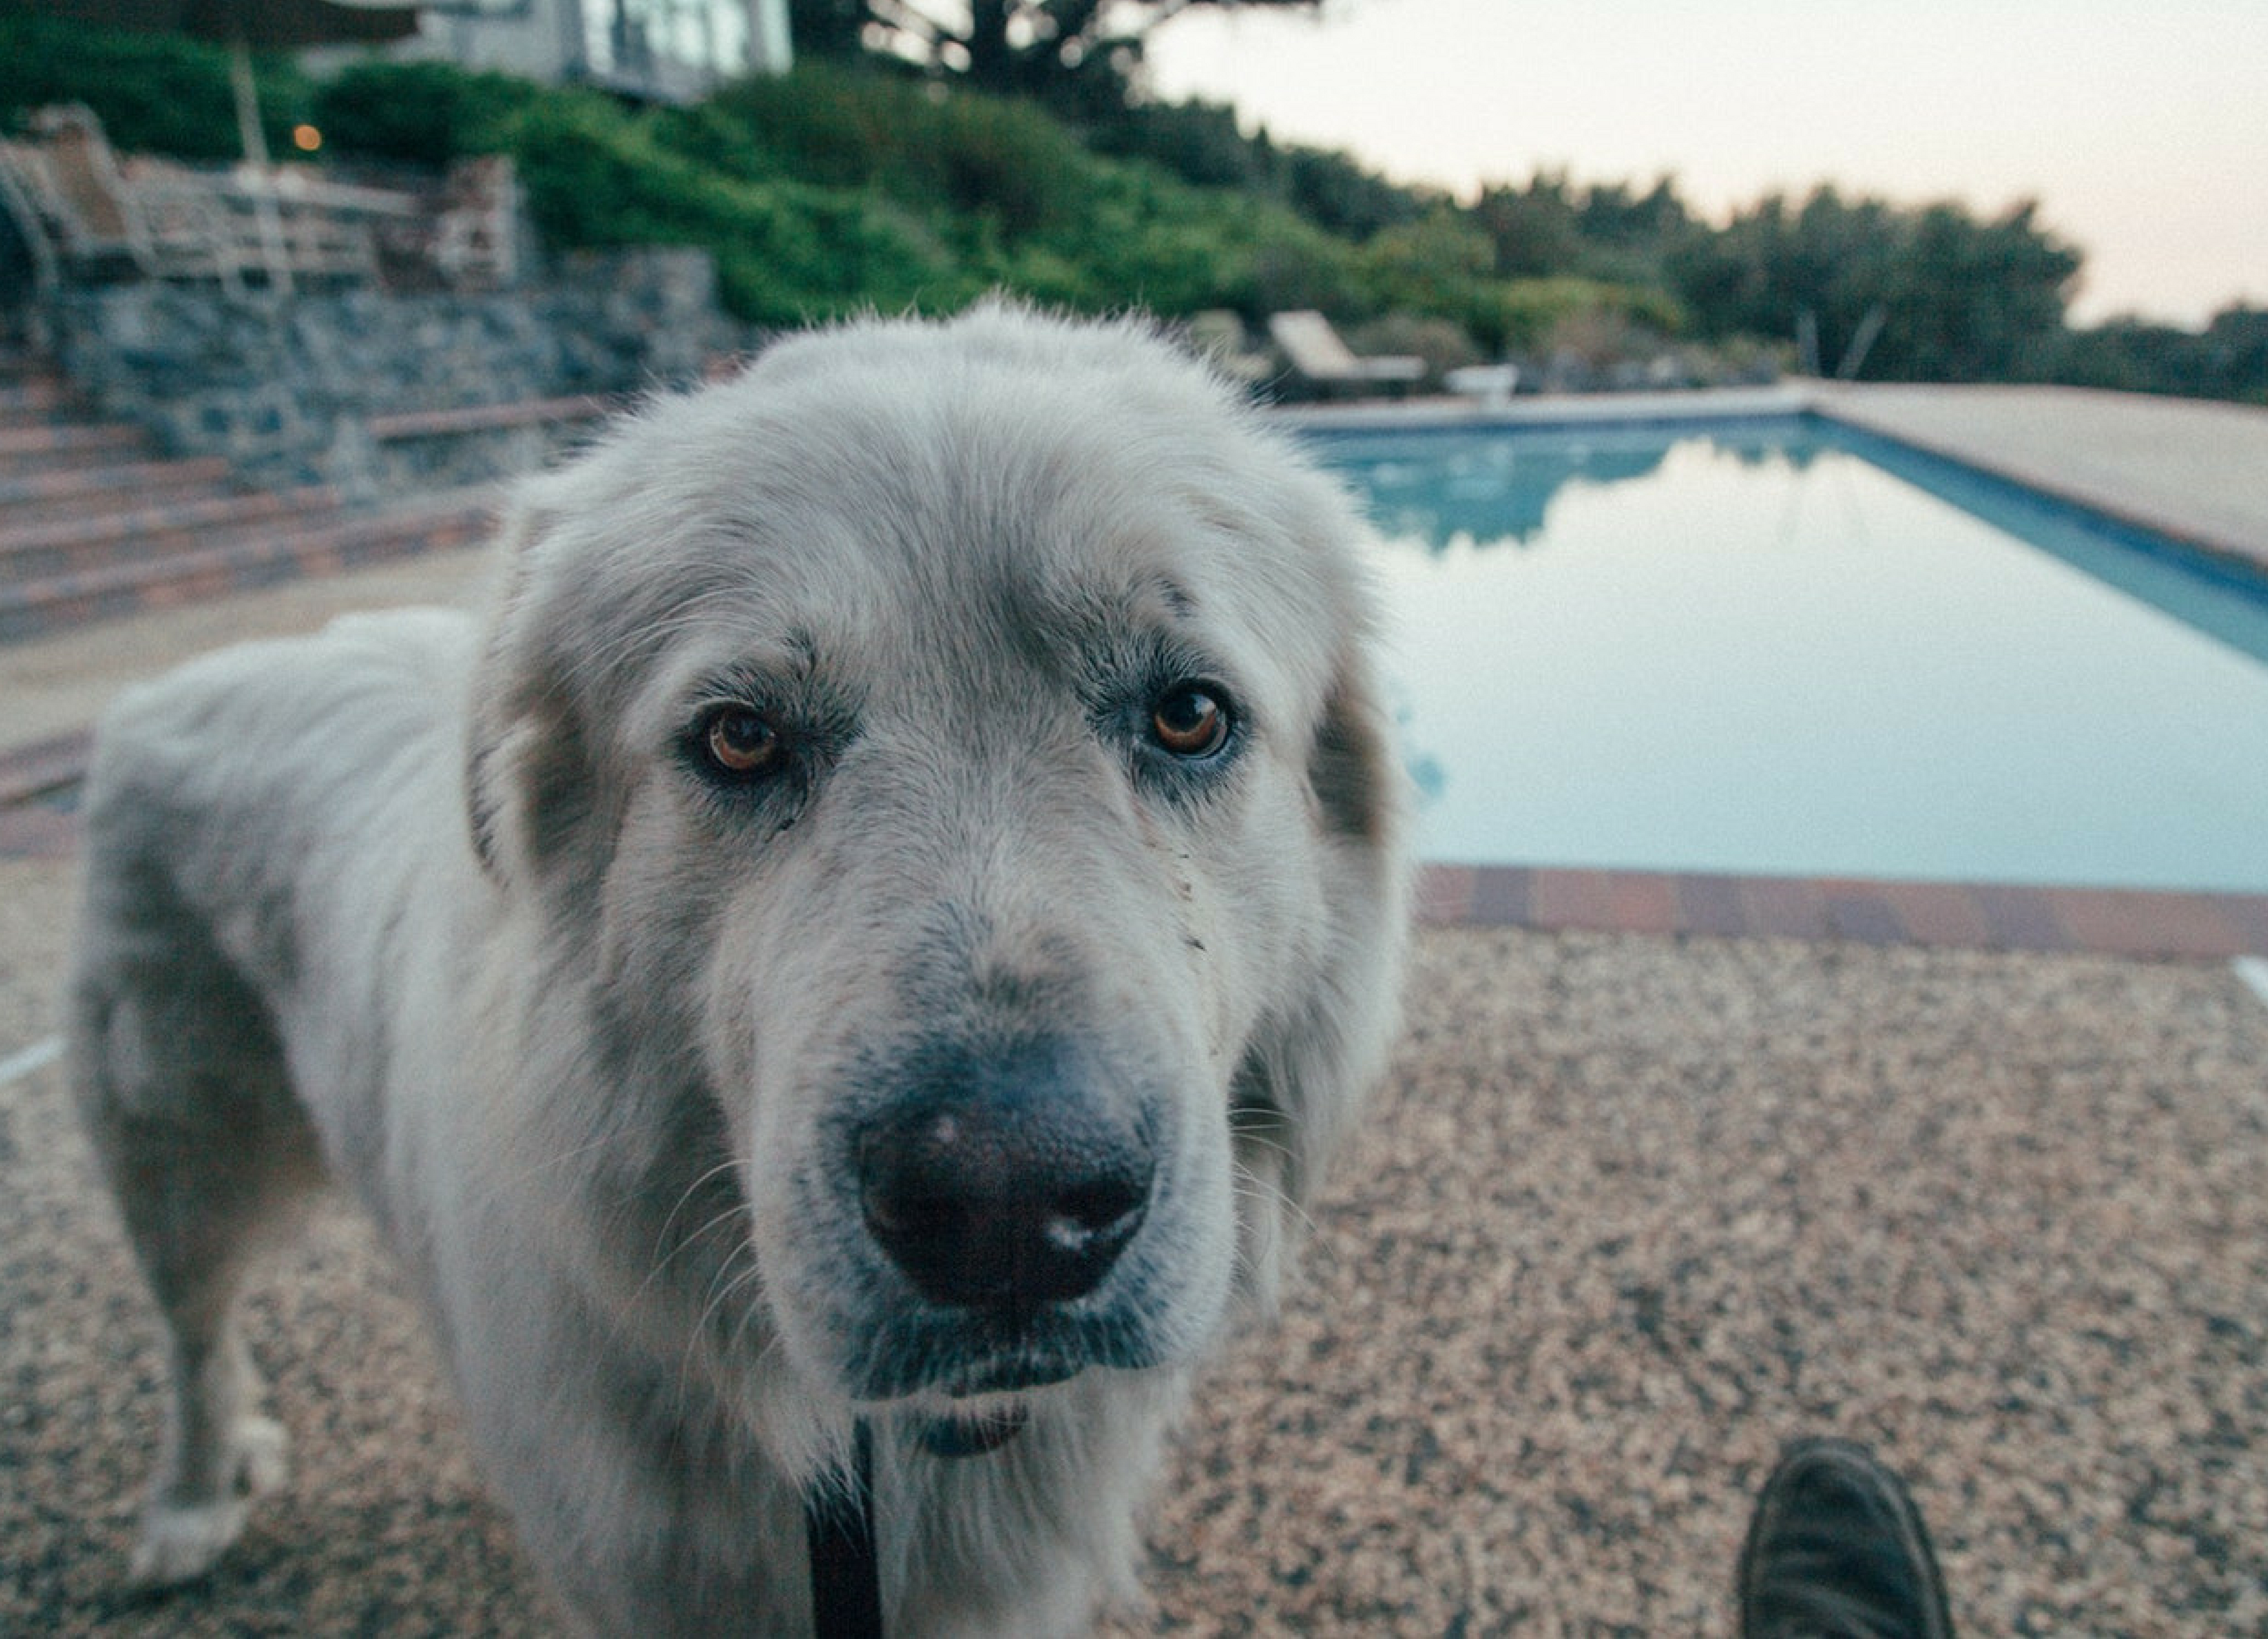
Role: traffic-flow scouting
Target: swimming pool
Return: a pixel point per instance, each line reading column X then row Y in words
column 1785, row 647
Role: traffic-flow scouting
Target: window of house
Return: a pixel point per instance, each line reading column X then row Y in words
column 632, row 36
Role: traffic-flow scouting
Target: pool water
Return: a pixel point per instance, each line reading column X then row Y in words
column 1784, row 648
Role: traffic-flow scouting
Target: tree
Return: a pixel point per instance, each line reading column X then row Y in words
column 1960, row 300
column 2228, row 359
column 1534, row 230
column 1078, row 56
column 1982, row 300
column 830, row 29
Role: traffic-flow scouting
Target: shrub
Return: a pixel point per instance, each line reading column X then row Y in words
column 1340, row 197
column 1196, row 141
column 1443, row 345
column 159, row 93
column 1527, row 315
column 785, row 251
column 1295, row 266
column 421, row 113
column 832, row 127
column 924, row 145
column 1007, row 161
column 1145, row 237
column 1434, row 266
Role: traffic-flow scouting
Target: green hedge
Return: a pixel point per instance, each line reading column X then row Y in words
column 785, row 251
column 1011, row 196
column 970, row 155
column 158, row 92
column 1526, row 312
column 421, row 113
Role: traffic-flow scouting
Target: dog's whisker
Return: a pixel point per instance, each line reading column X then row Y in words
column 684, row 1197
column 724, row 1218
column 1270, row 1195
column 550, row 1163
column 724, row 1290
column 1259, row 1139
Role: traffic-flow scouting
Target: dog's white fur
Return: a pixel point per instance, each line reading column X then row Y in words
column 467, row 920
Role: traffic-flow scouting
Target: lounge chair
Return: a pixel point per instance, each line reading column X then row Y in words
column 92, row 218
column 89, row 215
column 1217, row 335
column 22, row 188
column 1320, row 358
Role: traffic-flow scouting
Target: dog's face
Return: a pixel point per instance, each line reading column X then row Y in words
column 944, row 762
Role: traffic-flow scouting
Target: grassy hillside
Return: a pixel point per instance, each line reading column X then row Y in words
column 841, row 188
column 834, row 189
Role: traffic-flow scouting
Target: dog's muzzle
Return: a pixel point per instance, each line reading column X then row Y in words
column 1005, row 1187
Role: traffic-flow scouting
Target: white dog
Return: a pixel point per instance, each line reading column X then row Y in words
column 867, row 951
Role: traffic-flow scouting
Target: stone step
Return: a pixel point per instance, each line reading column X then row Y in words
column 67, row 492
column 47, row 604
column 42, row 447
column 142, row 534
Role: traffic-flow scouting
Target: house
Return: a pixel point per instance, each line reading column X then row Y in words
column 666, row 50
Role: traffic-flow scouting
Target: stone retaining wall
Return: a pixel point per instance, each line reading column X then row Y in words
column 301, row 391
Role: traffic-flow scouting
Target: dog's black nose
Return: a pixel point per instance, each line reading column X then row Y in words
column 1005, row 1186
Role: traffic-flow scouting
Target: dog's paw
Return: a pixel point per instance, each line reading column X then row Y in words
column 262, row 1452
column 181, row 1543
column 183, row 1537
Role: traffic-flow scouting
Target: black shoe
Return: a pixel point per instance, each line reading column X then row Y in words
column 1836, row 1551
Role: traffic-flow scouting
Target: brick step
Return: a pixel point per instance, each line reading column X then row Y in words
column 68, row 545
column 80, row 491
column 463, row 420
column 32, row 398
column 47, row 603
column 34, row 449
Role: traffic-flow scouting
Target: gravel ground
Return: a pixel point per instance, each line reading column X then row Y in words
column 1631, row 1213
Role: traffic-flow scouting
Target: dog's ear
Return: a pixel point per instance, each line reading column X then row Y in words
column 530, row 787
column 1309, row 1070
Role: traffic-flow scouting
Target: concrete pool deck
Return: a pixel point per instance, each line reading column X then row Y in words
column 2189, row 469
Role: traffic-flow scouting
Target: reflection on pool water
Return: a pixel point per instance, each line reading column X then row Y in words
column 1780, row 647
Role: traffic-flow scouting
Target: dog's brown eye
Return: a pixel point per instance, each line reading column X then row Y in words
column 1189, row 721
column 742, row 743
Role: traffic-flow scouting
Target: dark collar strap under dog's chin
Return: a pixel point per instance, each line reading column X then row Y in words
column 838, row 1524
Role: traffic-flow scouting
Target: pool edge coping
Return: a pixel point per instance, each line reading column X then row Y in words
column 2135, row 922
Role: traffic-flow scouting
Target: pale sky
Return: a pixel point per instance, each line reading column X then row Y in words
column 2141, row 127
